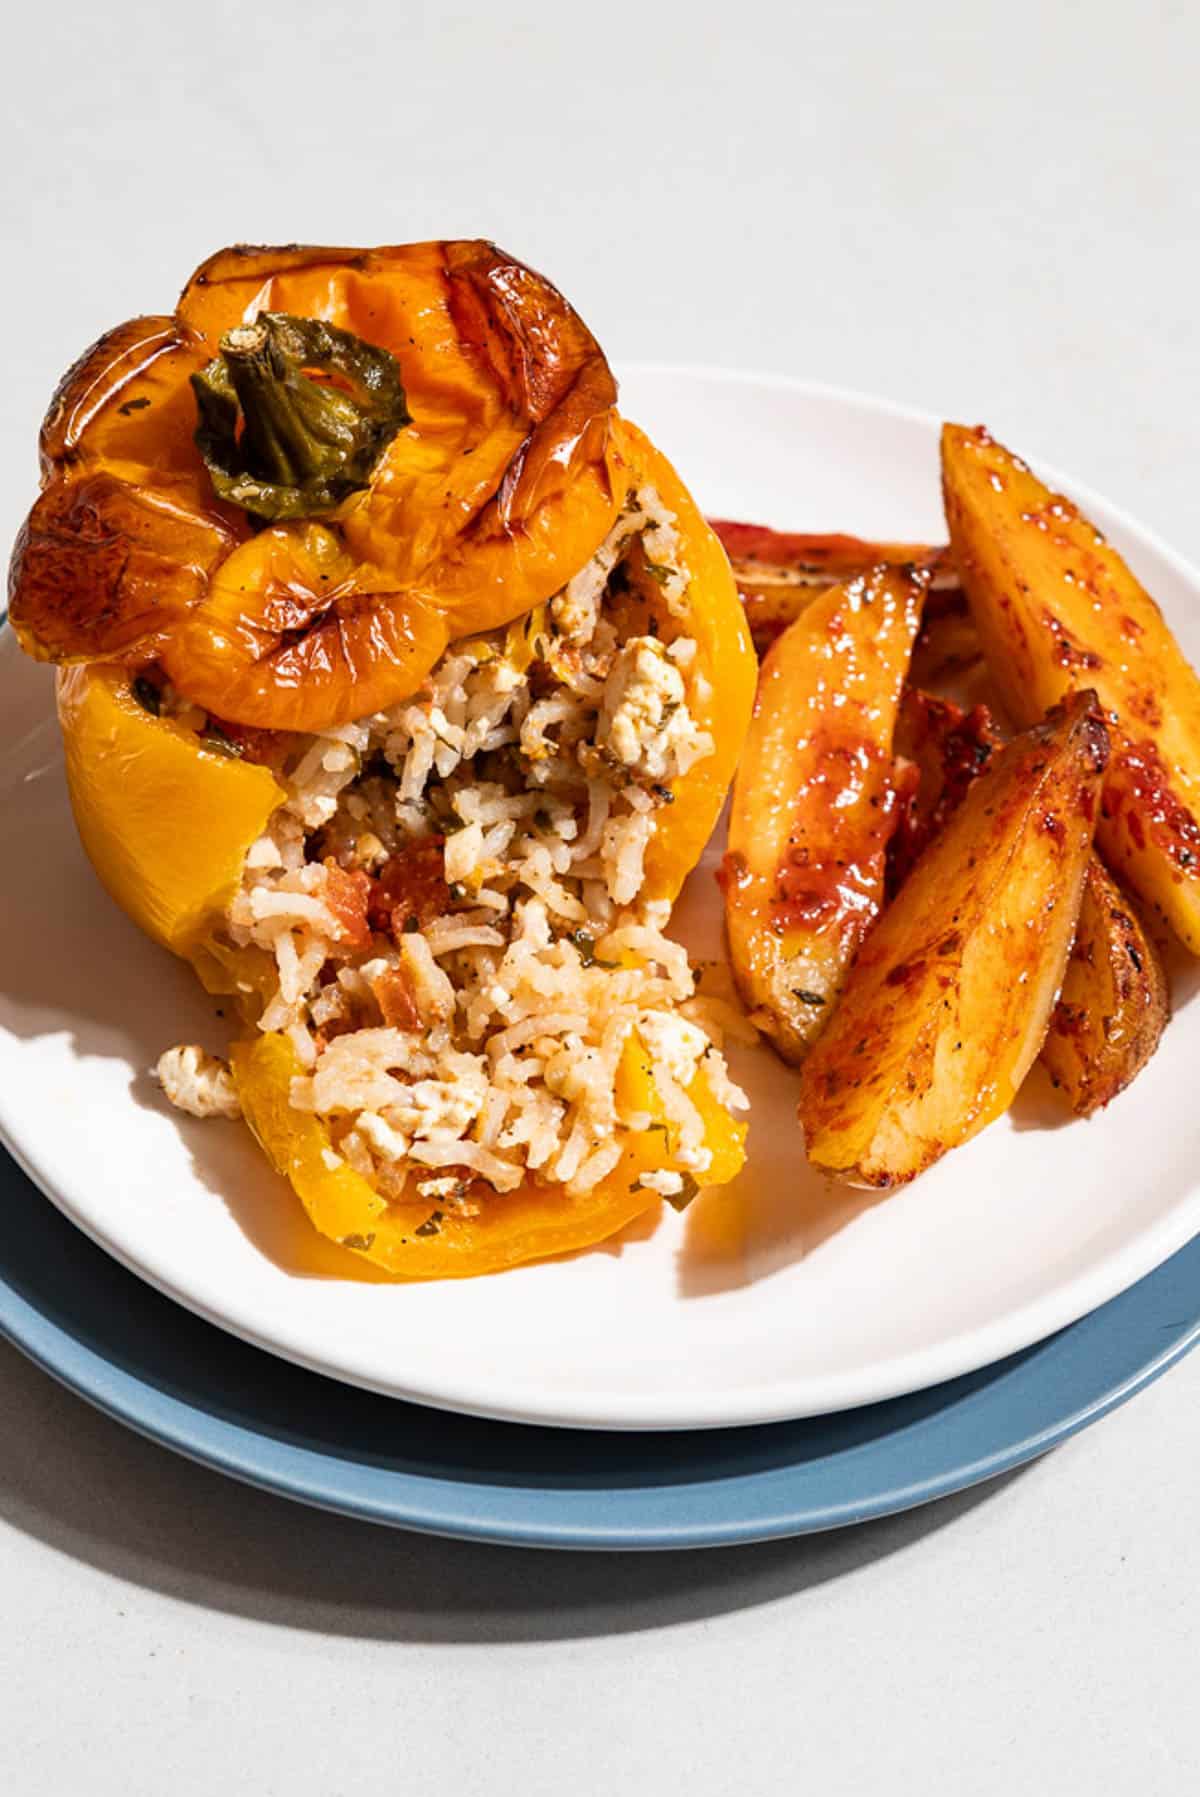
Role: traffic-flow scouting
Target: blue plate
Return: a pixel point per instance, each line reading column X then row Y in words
column 191, row 1387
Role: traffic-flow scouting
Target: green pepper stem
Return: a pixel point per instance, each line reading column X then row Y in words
column 293, row 429
column 280, row 443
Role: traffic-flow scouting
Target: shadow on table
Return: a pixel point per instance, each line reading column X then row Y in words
column 89, row 1488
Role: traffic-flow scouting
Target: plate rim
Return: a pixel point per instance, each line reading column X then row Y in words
column 1065, row 1305
column 1028, row 1405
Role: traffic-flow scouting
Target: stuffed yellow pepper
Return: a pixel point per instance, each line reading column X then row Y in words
column 401, row 684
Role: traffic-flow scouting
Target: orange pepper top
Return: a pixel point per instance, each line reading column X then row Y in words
column 505, row 478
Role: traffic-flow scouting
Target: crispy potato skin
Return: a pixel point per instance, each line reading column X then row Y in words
column 1114, row 1004
column 814, row 803
column 949, row 998
column 1057, row 609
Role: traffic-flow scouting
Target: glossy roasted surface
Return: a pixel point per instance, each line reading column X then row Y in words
column 779, row 572
column 498, row 490
column 813, row 801
column 1058, row 610
column 949, row 997
column 1114, row 1004
column 941, row 749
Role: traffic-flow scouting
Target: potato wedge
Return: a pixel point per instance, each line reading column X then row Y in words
column 940, row 749
column 949, row 998
column 1113, row 1007
column 813, row 801
column 1114, row 1004
column 948, row 650
column 1057, row 609
column 779, row 572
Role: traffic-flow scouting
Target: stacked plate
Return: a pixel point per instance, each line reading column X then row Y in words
column 786, row 1356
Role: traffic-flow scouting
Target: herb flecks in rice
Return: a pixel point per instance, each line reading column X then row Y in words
column 452, row 900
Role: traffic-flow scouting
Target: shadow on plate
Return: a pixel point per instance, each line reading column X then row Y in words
column 1038, row 1106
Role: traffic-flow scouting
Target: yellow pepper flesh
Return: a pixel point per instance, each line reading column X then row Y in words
column 165, row 822
column 528, row 1224
column 725, row 660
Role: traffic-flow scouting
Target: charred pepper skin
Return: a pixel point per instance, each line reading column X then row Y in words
column 459, row 446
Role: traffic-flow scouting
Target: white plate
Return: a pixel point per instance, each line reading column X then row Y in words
column 781, row 1297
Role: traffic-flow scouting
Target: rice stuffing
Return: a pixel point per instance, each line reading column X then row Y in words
column 451, row 901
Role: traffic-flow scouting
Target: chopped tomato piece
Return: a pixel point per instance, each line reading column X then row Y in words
column 394, row 993
column 410, row 884
column 347, row 896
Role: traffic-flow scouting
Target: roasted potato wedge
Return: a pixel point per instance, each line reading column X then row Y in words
column 1113, row 1007
column 813, row 801
column 948, row 649
column 779, row 572
column 949, row 998
column 1057, row 609
column 940, row 749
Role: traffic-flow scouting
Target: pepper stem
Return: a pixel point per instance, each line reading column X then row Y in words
column 281, row 444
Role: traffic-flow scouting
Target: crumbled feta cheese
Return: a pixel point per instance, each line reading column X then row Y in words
column 463, row 852
column 666, row 1184
column 197, row 1082
column 644, row 720
column 263, row 854
column 315, row 809
column 672, row 1043
column 385, row 1140
column 443, row 1106
column 445, row 1187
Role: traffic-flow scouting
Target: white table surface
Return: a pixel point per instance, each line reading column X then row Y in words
column 989, row 209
